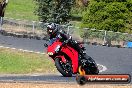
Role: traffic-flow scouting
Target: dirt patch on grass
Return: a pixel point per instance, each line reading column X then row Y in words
column 23, row 30
column 37, row 85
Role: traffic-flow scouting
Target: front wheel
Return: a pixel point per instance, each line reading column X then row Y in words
column 64, row 68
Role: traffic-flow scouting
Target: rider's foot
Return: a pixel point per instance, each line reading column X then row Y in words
column 83, row 48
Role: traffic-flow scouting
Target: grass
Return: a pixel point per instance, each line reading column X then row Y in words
column 21, row 9
column 18, row 62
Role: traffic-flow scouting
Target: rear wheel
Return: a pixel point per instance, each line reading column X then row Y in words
column 90, row 66
column 64, row 68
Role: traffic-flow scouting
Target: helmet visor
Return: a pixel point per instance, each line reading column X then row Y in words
column 49, row 30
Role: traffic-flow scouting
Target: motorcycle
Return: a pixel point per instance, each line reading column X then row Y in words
column 67, row 59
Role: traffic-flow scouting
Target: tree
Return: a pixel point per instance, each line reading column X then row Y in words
column 3, row 4
column 111, row 15
column 54, row 10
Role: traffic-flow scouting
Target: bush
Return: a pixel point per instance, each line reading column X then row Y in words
column 54, row 10
column 111, row 15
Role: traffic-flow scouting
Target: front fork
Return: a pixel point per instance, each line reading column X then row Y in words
column 65, row 63
column 62, row 58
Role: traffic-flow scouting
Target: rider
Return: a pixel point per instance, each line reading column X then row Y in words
column 55, row 32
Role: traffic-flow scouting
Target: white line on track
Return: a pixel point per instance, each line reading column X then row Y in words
column 21, row 50
column 103, row 68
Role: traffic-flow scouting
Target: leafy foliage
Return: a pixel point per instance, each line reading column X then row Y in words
column 111, row 15
column 54, row 10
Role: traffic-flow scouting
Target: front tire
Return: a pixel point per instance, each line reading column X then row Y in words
column 61, row 69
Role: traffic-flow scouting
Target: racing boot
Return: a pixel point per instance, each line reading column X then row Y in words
column 83, row 48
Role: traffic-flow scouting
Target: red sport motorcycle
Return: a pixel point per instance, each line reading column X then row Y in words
column 67, row 59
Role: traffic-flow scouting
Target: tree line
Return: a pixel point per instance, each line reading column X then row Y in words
column 110, row 15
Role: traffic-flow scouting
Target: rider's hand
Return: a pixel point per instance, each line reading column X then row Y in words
column 65, row 42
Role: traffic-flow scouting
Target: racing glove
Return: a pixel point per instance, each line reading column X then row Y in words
column 66, row 41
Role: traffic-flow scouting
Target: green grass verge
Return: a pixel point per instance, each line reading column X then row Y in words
column 21, row 9
column 18, row 62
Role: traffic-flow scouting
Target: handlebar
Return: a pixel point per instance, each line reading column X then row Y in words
column 65, row 42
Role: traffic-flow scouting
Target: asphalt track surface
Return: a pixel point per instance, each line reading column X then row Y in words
column 117, row 60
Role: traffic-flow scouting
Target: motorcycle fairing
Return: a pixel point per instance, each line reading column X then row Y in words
column 73, row 54
column 51, row 48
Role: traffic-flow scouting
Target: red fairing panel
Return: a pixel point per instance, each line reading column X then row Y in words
column 52, row 47
column 73, row 54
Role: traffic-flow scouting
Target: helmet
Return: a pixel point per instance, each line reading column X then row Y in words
column 51, row 28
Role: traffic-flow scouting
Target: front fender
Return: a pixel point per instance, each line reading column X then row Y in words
column 62, row 58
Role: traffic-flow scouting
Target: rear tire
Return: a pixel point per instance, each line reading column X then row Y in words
column 61, row 69
column 91, row 67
